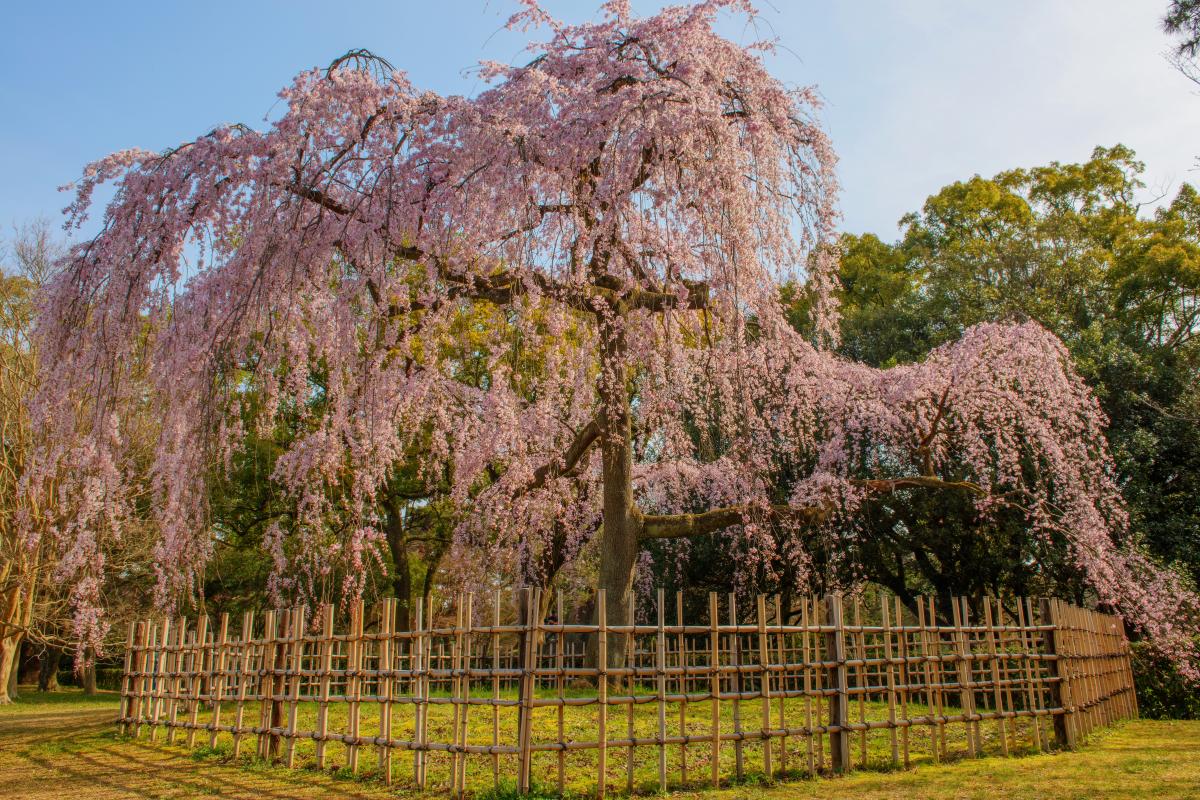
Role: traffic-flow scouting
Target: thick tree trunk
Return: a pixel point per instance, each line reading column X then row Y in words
column 10, row 648
column 622, row 523
column 14, row 618
column 48, row 664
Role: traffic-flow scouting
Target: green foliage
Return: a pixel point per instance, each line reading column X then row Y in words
column 1161, row 692
column 1068, row 246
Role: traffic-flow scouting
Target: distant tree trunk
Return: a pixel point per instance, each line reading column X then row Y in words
column 397, row 539
column 89, row 673
column 432, row 561
column 48, row 664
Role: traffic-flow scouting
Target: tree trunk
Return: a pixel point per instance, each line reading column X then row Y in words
column 48, row 663
column 397, row 539
column 621, row 526
column 89, row 673
column 10, row 648
column 13, row 619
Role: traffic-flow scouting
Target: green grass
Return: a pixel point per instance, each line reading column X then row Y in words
column 791, row 756
column 65, row 745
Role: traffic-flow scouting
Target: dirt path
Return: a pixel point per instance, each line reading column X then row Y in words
column 73, row 752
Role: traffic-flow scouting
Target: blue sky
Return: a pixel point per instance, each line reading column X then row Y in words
column 920, row 92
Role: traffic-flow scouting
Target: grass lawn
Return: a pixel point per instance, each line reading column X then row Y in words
column 63, row 745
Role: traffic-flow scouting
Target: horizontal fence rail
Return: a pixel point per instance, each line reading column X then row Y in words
column 508, row 690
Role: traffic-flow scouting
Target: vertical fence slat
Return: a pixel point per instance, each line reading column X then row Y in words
column 246, row 659
column 1059, row 683
column 839, row 716
column 296, row 664
column 630, row 663
column 737, row 685
column 994, row 659
column 266, row 683
column 1030, row 669
column 456, row 693
column 859, row 648
column 354, row 684
column 387, row 643
column 167, row 669
column 905, row 676
column 714, row 671
column 127, row 679
column 684, row 686
column 660, row 685
column 219, row 680
column 886, row 624
column 764, row 687
column 139, row 681
column 326, row 667
column 420, row 690
column 197, row 677
column 807, row 657
column 602, row 691
column 495, row 644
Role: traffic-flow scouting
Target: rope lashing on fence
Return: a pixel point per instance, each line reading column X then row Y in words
column 814, row 682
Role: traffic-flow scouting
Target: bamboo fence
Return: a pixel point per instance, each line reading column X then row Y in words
column 504, row 689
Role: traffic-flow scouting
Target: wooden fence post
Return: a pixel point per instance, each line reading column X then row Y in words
column 219, row 682
column 387, row 630
column 602, row 690
column 198, row 676
column 1059, row 684
column 735, row 655
column 354, row 684
column 714, row 668
column 326, row 666
column 764, row 686
column 420, row 709
column 660, row 681
column 127, row 680
column 135, row 680
column 525, row 707
column 246, row 659
column 298, row 623
column 839, row 713
column 266, row 684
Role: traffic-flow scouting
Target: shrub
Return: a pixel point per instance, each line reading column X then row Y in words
column 1162, row 693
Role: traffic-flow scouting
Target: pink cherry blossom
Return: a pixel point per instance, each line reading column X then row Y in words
column 611, row 222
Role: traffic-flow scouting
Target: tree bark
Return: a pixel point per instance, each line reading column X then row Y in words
column 89, row 673
column 13, row 619
column 10, row 647
column 621, row 527
column 48, row 664
column 397, row 539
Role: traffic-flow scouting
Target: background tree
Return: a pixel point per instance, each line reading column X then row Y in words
column 37, row 609
column 1182, row 21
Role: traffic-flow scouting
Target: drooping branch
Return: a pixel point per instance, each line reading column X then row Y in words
column 682, row 526
column 578, row 448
